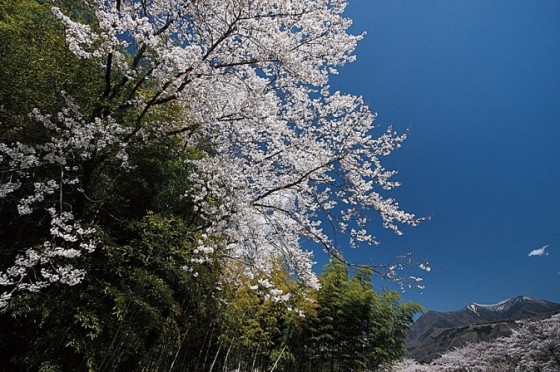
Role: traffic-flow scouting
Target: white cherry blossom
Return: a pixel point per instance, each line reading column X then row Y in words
column 289, row 160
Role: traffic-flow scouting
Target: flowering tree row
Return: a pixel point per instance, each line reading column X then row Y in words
column 534, row 346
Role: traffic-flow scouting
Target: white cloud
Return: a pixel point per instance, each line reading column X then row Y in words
column 539, row 251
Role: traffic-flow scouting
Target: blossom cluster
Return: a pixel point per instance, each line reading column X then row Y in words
column 68, row 240
column 35, row 175
column 286, row 160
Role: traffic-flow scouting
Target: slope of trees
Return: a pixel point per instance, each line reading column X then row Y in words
column 160, row 163
column 533, row 347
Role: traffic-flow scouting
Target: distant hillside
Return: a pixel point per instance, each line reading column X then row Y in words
column 435, row 332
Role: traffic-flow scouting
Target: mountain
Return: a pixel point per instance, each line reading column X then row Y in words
column 436, row 332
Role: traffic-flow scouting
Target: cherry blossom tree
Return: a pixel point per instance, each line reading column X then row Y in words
column 281, row 157
column 532, row 347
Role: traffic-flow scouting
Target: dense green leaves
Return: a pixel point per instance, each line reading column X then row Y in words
column 344, row 326
column 356, row 328
column 37, row 66
column 133, row 308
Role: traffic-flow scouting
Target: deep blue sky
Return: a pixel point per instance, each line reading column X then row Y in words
column 477, row 83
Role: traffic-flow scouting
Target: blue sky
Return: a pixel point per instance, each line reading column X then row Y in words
column 477, row 84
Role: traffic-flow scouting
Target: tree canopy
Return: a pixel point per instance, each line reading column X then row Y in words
column 244, row 83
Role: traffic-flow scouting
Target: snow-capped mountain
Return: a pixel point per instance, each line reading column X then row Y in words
column 514, row 308
column 435, row 332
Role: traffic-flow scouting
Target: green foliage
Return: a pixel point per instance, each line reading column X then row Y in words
column 138, row 300
column 344, row 326
column 37, row 66
column 355, row 327
column 256, row 328
column 132, row 309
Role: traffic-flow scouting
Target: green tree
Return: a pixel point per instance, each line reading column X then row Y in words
column 143, row 296
column 356, row 328
column 263, row 320
column 37, row 66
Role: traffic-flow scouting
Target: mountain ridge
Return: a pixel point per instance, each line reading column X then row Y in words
column 436, row 332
